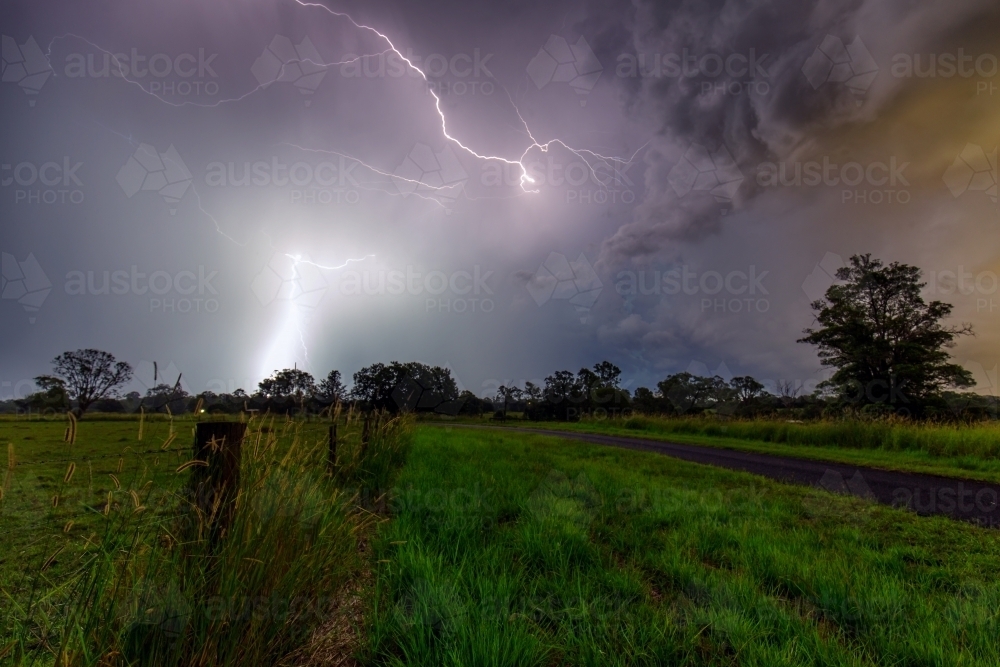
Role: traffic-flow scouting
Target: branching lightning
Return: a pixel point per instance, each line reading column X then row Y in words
column 525, row 179
column 544, row 147
column 589, row 157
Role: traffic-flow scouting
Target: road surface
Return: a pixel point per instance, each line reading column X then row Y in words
column 963, row 499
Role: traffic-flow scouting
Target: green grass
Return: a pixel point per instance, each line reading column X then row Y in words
column 30, row 523
column 967, row 452
column 137, row 577
column 503, row 548
column 106, row 445
column 516, row 549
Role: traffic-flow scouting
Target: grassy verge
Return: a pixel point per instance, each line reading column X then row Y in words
column 515, row 549
column 120, row 568
column 967, row 452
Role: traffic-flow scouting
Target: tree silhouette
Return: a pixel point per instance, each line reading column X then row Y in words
column 887, row 344
column 90, row 375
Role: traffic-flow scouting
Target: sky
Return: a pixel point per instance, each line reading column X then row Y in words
column 505, row 189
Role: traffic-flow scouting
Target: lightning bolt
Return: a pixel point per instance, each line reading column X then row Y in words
column 293, row 316
column 589, row 157
column 526, row 182
column 544, row 147
column 298, row 260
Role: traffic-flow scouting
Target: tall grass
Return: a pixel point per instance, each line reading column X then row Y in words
column 981, row 439
column 152, row 588
column 514, row 549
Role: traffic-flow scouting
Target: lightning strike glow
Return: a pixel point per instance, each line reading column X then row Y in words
column 277, row 352
column 298, row 260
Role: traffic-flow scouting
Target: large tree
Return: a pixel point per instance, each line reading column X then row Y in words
column 687, row 392
column 90, row 375
column 887, row 344
column 411, row 386
column 288, row 383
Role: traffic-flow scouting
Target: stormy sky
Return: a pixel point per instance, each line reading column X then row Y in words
column 505, row 189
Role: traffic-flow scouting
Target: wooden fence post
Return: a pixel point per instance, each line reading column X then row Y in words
column 214, row 486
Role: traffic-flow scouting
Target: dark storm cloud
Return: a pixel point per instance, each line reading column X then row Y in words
column 739, row 88
column 692, row 197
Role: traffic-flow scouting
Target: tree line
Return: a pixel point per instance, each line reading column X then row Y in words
column 886, row 346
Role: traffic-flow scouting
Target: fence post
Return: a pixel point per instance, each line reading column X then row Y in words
column 220, row 445
column 331, row 462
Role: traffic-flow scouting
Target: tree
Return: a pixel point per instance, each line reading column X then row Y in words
column 746, row 388
column 470, row 404
column 608, row 375
column 332, row 390
column 288, row 383
column 167, row 396
column 559, row 386
column 885, row 342
column 507, row 395
column 646, row 401
column 51, row 395
column 399, row 386
column 90, row 375
column 585, row 380
column 787, row 390
column 687, row 392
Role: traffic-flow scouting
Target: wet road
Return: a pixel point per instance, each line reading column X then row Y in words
column 966, row 500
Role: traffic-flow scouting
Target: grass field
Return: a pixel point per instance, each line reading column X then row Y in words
column 496, row 548
column 514, row 549
column 106, row 449
column 966, row 452
column 107, row 561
